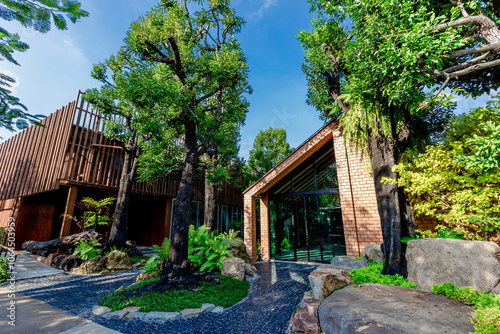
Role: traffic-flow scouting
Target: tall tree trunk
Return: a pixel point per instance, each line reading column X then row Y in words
column 180, row 227
column 210, row 215
column 118, row 235
column 396, row 216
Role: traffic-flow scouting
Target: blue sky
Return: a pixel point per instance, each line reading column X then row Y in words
column 59, row 63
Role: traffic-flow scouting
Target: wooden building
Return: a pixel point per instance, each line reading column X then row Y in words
column 45, row 171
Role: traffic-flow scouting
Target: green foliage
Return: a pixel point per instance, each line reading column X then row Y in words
column 4, row 270
column 440, row 184
column 232, row 235
column 228, row 292
column 269, row 148
column 37, row 15
column 373, row 274
column 113, row 248
column 411, row 237
column 97, row 212
column 161, row 255
column 206, row 251
column 87, row 249
column 135, row 259
column 486, row 318
column 3, row 235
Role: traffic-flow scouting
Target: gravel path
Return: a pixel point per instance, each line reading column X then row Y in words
column 267, row 309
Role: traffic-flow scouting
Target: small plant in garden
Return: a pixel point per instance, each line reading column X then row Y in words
column 87, row 249
column 161, row 255
column 97, row 212
column 112, row 249
column 411, row 237
column 206, row 251
column 486, row 318
column 373, row 274
column 231, row 235
column 3, row 235
column 4, row 270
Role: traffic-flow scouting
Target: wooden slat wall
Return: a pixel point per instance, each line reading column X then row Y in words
column 72, row 149
column 30, row 161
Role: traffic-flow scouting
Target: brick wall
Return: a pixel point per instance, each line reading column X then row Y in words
column 426, row 223
column 250, row 228
column 357, row 198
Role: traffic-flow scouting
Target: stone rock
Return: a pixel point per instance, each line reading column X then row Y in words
column 78, row 271
column 123, row 287
column 248, row 269
column 218, row 309
column 118, row 260
column 373, row 253
column 207, row 307
column 116, row 314
column 145, row 276
column 132, row 308
column 104, row 272
column 461, row 262
column 190, row 313
column 303, row 322
column 66, row 262
column 162, row 317
column 100, row 310
column 327, row 278
column 94, row 266
column 137, row 265
column 374, row 308
column 238, row 249
column 311, row 306
column 135, row 316
column 347, row 261
column 234, row 267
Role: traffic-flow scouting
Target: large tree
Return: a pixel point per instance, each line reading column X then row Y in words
column 206, row 72
column 381, row 67
column 37, row 15
column 269, row 148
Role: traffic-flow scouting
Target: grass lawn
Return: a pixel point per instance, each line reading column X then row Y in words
column 229, row 292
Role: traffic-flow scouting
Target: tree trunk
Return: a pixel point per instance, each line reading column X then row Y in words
column 210, row 215
column 180, row 227
column 396, row 216
column 118, row 234
column 46, row 247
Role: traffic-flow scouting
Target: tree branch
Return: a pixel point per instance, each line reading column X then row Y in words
column 478, row 49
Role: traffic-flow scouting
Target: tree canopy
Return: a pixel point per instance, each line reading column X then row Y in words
column 37, row 15
column 381, row 67
column 269, row 148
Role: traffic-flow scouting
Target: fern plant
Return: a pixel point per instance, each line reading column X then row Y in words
column 97, row 212
column 87, row 249
column 206, row 250
column 161, row 254
column 231, row 235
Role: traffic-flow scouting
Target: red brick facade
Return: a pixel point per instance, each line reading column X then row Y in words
column 357, row 194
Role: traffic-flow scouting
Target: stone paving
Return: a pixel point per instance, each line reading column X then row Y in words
column 267, row 308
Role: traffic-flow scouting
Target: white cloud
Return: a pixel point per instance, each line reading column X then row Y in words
column 265, row 6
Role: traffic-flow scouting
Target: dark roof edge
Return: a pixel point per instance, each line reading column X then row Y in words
column 305, row 142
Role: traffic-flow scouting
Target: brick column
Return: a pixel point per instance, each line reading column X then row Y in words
column 265, row 228
column 250, row 226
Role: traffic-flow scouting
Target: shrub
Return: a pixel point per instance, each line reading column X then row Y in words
column 112, row 249
column 87, row 249
column 4, row 270
column 486, row 318
column 161, row 255
column 373, row 274
column 232, row 235
column 3, row 235
column 206, row 251
column 97, row 212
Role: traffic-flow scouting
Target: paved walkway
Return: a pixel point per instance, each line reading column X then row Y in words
column 34, row 316
column 70, row 299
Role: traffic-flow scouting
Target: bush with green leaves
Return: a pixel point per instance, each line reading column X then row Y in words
column 87, row 249
column 373, row 274
column 161, row 255
column 231, row 235
column 97, row 213
column 206, row 251
column 458, row 181
column 486, row 318
column 3, row 235
column 112, row 249
column 4, row 270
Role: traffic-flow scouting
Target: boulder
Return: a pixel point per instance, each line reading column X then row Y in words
column 118, row 260
column 373, row 253
column 145, row 276
column 374, row 308
column 238, row 249
column 347, row 261
column 305, row 320
column 327, row 278
column 234, row 267
column 461, row 262
column 66, row 262
column 94, row 266
column 248, row 269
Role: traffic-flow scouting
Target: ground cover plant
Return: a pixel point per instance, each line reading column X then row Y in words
column 225, row 293
column 4, row 270
column 486, row 318
column 373, row 274
column 207, row 250
column 87, row 249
